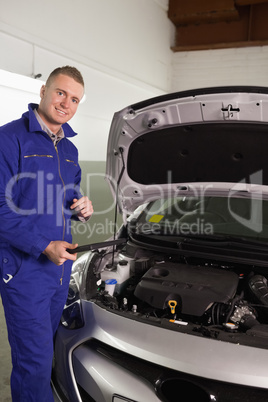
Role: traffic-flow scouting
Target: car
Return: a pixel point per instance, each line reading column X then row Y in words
column 174, row 307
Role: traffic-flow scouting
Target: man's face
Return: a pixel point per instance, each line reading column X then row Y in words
column 59, row 101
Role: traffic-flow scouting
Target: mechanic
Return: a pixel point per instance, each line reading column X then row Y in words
column 39, row 193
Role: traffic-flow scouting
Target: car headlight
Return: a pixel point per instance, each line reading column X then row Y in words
column 72, row 316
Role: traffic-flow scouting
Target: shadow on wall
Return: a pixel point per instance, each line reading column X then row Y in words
column 101, row 225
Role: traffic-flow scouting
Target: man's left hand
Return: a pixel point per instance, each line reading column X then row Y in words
column 83, row 207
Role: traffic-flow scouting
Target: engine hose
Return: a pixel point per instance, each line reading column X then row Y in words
column 259, row 288
column 217, row 311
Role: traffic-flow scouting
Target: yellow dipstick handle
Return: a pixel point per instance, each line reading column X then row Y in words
column 172, row 304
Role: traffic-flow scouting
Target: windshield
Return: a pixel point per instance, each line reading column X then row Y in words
column 206, row 217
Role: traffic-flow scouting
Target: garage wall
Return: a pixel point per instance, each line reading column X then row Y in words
column 204, row 68
column 121, row 47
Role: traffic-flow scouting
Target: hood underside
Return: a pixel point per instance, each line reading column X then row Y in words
column 179, row 143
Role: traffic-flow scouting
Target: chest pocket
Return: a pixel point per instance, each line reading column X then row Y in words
column 69, row 168
column 71, row 161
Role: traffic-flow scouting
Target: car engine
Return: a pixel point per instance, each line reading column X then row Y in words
column 172, row 289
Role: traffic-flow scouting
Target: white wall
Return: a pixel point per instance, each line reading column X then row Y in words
column 121, row 47
column 205, row 68
column 16, row 92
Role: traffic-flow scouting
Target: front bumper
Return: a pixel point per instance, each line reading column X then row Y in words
column 113, row 357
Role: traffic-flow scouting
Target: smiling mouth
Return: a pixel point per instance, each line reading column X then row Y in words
column 61, row 112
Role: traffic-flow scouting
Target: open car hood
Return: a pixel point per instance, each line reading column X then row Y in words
column 213, row 140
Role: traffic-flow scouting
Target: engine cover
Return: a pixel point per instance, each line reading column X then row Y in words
column 194, row 288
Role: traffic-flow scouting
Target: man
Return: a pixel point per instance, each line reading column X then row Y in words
column 39, row 193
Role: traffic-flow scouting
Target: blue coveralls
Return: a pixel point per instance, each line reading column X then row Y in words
column 38, row 182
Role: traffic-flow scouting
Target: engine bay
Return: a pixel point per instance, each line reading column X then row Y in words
column 196, row 295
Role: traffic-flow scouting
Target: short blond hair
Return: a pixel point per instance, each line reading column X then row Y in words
column 69, row 71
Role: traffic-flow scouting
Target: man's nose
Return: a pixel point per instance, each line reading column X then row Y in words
column 66, row 102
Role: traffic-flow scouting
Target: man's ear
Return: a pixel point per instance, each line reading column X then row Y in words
column 42, row 91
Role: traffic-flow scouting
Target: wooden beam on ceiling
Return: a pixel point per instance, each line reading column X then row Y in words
column 249, row 2
column 183, row 12
column 250, row 29
column 223, row 45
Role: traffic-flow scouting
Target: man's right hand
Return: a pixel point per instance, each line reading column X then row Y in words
column 56, row 252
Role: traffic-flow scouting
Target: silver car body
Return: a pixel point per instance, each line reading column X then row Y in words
column 109, row 349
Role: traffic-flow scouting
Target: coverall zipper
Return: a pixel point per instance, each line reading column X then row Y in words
column 62, row 206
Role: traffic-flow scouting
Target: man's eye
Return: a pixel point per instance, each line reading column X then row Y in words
column 74, row 100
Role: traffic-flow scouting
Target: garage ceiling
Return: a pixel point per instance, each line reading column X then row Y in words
column 217, row 24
